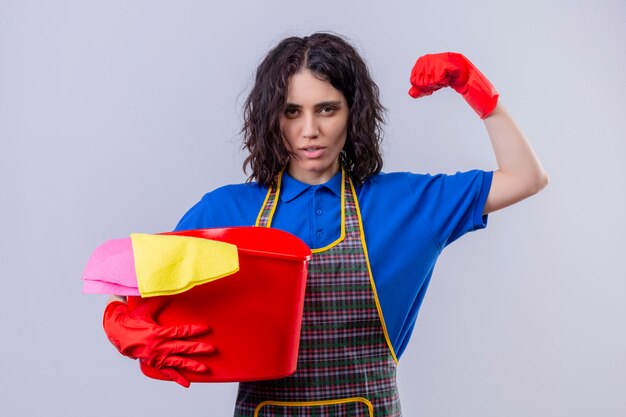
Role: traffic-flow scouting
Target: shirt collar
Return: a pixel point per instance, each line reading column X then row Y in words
column 292, row 188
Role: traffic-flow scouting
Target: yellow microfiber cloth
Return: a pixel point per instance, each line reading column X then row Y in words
column 168, row 264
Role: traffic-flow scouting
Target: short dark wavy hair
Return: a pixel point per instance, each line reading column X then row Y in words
column 329, row 57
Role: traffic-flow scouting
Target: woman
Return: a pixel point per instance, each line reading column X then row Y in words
column 312, row 126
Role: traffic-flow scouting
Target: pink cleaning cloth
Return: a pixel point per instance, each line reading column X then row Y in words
column 104, row 287
column 111, row 269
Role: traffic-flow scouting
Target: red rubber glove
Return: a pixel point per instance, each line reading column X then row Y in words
column 136, row 335
column 450, row 69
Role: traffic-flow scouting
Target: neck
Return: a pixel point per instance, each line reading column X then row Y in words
column 313, row 177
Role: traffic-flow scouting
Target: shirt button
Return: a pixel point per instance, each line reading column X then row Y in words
column 318, row 212
column 320, row 234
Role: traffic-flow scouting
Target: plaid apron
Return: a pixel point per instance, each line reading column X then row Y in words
column 345, row 365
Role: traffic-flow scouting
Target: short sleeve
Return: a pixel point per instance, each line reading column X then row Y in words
column 227, row 206
column 197, row 217
column 452, row 205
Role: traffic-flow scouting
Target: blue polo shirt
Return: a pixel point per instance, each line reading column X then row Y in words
column 407, row 219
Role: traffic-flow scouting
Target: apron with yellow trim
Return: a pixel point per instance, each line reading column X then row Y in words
column 346, row 367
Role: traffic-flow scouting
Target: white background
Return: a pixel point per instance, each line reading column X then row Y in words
column 117, row 116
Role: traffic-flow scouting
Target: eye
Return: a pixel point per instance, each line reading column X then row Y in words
column 291, row 112
column 328, row 110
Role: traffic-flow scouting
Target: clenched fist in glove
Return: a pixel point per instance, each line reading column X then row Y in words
column 136, row 334
column 449, row 69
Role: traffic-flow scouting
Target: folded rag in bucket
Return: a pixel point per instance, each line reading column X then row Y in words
column 152, row 265
column 169, row 264
column 111, row 269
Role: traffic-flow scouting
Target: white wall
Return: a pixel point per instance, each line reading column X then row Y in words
column 116, row 116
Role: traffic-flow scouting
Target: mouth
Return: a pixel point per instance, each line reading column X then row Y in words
column 313, row 152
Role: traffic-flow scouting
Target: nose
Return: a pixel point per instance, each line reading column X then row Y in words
column 310, row 129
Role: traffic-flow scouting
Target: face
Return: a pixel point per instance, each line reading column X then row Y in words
column 314, row 127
